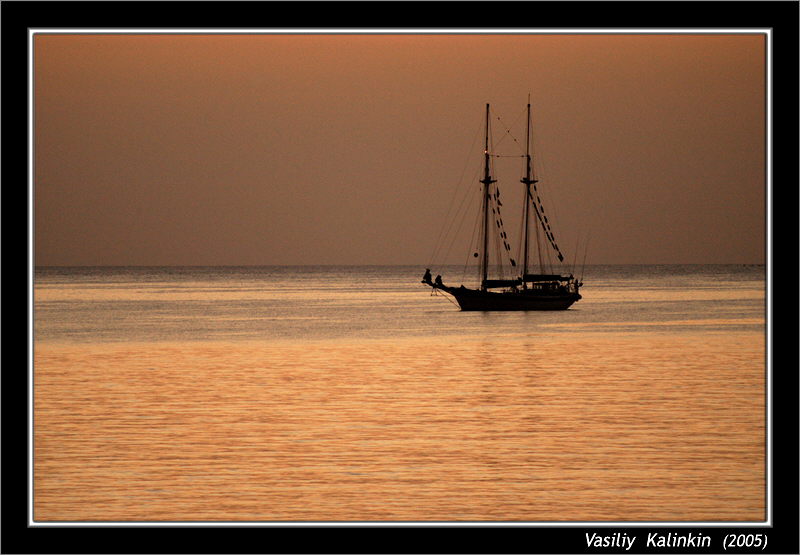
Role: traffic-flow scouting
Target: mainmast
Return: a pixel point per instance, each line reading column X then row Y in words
column 487, row 181
column 527, row 180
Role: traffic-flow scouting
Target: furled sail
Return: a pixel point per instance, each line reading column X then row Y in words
column 539, row 209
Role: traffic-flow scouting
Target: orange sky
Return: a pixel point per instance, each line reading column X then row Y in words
column 345, row 149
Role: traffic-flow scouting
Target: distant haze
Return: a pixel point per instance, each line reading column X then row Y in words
column 346, row 149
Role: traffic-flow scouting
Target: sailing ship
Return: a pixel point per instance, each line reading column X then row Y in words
column 526, row 291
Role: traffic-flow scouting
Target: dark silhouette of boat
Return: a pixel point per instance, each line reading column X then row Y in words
column 528, row 291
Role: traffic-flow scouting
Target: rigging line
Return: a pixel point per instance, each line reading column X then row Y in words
column 508, row 129
column 585, row 251
column 455, row 192
column 497, row 237
column 473, row 248
column 575, row 257
column 460, row 224
column 538, row 240
column 551, row 205
column 539, row 209
column 477, row 233
column 476, row 228
column 498, row 258
column 433, row 292
column 544, row 189
column 503, row 234
column 550, row 262
column 468, row 196
column 546, row 228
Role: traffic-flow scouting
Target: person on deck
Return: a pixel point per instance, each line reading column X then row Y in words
column 427, row 277
column 439, row 281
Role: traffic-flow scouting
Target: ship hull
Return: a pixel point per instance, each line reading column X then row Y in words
column 476, row 300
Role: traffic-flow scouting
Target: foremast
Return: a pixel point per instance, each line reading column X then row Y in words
column 487, row 182
column 527, row 181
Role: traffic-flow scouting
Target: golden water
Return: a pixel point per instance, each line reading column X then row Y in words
column 587, row 423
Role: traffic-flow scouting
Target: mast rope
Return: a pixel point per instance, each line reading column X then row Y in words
column 542, row 216
column 508, row 131
column 585, row 252
column 463, row 211
column 447, row 224
column 434, row 293
column 476, row 230
column 502, row 235
column 539, row 209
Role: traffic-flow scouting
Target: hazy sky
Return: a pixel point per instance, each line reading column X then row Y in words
column 347, row 149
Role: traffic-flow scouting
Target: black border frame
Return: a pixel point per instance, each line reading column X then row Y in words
column 16, row 17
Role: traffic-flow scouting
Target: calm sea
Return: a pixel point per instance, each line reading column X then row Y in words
column 353, row 394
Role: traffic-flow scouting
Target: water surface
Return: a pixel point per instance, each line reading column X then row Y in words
column 352, row 394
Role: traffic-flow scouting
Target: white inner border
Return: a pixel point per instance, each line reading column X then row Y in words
column 527, row 31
